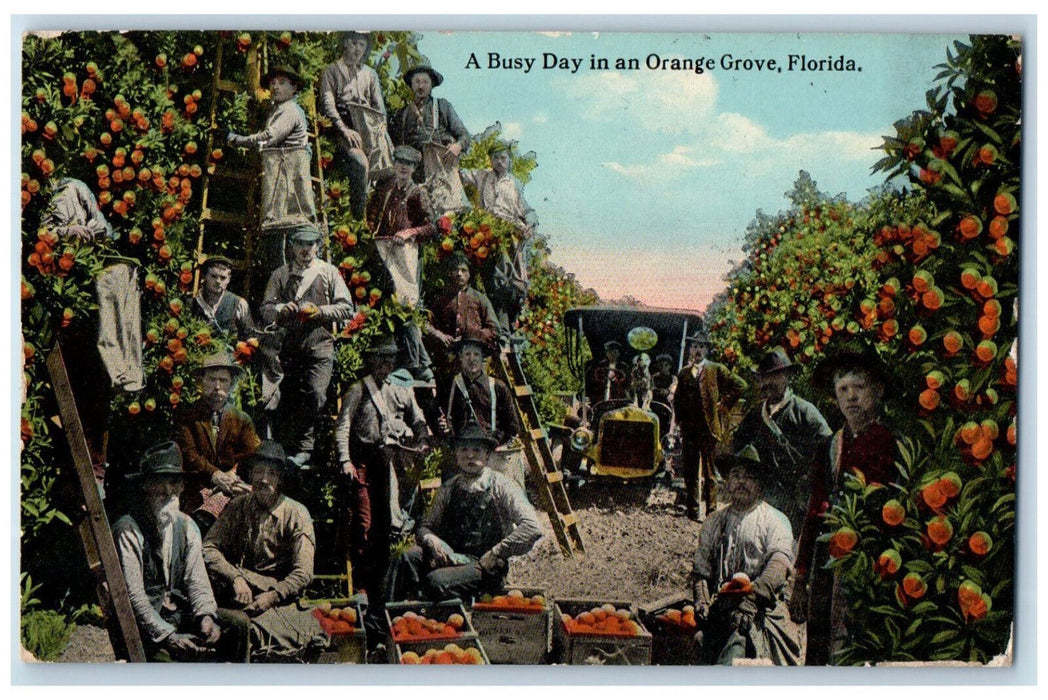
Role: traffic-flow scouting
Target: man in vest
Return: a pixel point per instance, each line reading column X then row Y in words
column 428, row 119
column 460, row 311
column 215, row 436
column 225, row 311
column 479, row 519
column 472, row 397
column 706, row 392
column 304, row 297
column 787, row 431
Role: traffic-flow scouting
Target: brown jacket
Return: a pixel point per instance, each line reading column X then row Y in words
column 704, row 399
column 202, row 457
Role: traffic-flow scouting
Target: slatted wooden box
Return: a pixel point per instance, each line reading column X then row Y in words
column 515, row 634
column 420, row 648
column 671, row 644
column 435, row 611
column 346, row 647
column 599, row 648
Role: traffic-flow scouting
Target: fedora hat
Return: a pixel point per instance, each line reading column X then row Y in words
column 749, row 459
column 271, row 452
column 220, row 360
column 436, row 77
column 774, row 361
column 164, row 459
column 472, row 342
column 472, row 432
column 382, row 345
column 285, row 71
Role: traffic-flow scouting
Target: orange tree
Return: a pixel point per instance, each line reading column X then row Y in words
column 927, row 563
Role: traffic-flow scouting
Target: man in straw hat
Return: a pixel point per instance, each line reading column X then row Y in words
column 225, row 311
column 744, row 557
column 287, row 187
column 787, row 431
column 378, row 412
column 865, row 447
column 351, row 97
column 479, row 519
column 214, row 436
column 304, row 297
column 706, row 392
column 160, row 554
column 259, row 554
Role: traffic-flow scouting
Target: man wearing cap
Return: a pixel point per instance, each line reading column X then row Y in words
column 427, row 119
column 472, row 397
column 663, row 380
column 378, row 413
column 351, row 97
column 706, row 392
column 287, row 187
column 215, row 436
column 459, row 311
column 787, row 431
column 304, row 297
column 160, row 554
column 225, row 311
column 479, row 519
column 744, row 557
column 865, row 447
column 259, row 554
column 608, row 377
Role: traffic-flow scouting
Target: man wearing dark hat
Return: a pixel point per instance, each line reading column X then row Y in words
column 225, row 311
column 459, row 311
column 865, row 447
column 427, row 119
column 304, row 297
column 787, row 431
column 351, row 97
column 215, row 436
column 259, row 554
column 378, row 413
column 479, row 519
column 744, row 557
column 663, row 380
column 608, row 377
column 472, row 397
column 706, row 393
column 160, row 554
column 287, row 187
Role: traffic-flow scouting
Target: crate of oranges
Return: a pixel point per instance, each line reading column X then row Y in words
column 468, row 652
column 604, row 632
column 672, row 624
column 416, row 621
column 514, row 626
column 343, row 621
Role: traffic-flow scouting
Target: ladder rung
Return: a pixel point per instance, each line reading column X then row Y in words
column 222, row 217
column 554, row 477
column 429, row 484
column 228, row 85
column 537, row 434
column 227, row 174
column 523, row 390
column 569, row 519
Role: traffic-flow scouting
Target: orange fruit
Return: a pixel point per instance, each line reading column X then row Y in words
column 939, row 530
column 893, row 513
column 929, row 399
column 410, row 657
column 933, row 496
column 980, row 543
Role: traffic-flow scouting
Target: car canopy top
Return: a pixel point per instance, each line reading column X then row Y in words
column 599, row 324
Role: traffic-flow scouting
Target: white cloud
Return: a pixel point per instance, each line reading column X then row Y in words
column 674, row 102
column 540, row 118
column 512, row 130
column 665, row 166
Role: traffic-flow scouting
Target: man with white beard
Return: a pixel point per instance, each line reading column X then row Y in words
column 160, row 553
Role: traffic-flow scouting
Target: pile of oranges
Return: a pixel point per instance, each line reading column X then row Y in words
column 450, row 654
column 412, row 627
column 603, row 620
column 682, row 620
column 336, row 621
column 514, row 600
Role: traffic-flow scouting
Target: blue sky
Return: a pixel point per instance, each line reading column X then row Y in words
column 648, row 178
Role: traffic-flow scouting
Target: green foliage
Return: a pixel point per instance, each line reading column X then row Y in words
column 45, row 634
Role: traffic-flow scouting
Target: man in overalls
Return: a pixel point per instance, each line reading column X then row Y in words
column 474, row 397
column 479, row 519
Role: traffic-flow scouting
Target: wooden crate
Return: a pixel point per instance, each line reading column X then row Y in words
column 347, row 647
column 671, row 645
column 420, row 648
column 596, row 649
column 515, row 635
column 435, row 611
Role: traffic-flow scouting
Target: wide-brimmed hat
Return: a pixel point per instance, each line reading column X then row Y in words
column 163, row 460
column 864, row 361
column 748, row 458
column 220, row 360
column 407, row 154
column 304, row 233
column 471, row 341
column 271, row 452
column 775, row 361
column 436, row 77
column 473, row 433
column 613, row 345
column 698, row 337
column 213, row 260
column 297, row 80
column 382, row 345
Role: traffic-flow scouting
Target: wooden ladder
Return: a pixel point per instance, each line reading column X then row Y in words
column 93, row 525
column 548, row 479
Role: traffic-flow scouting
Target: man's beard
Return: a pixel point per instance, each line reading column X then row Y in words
column 164, row 514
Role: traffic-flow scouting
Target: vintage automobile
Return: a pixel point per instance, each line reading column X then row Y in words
column 618, row 434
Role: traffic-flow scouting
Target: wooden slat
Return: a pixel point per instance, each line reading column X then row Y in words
column 221, row 217
column 537, row 434
column 523, row 390
column 554, row 477
column 429, row 484
column 569, row 519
